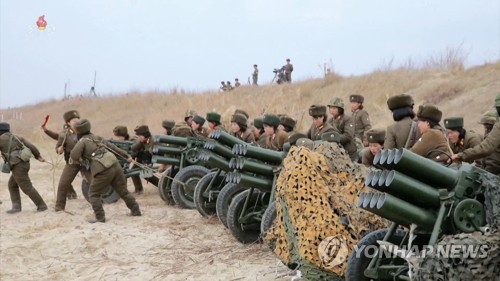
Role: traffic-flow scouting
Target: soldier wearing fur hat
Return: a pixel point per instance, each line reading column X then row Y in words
column 274, row 138
column 360, row 119
column 65, row 143
column 104, row 168
column 488, row 121
column 432, row 144
column 287, row 124
column 320, row 124
column 403, row 133
column 197, row 127
column 460, row 139
column 239, row 128
column 168, row 125
column 10, row 147
column 376, row 138
column 214, row 121
column 142, row 152
column 490, row 147
column 342, row 124
column 258, row 132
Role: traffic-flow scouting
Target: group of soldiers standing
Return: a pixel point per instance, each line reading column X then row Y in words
column 96, row 158
column 287, row 70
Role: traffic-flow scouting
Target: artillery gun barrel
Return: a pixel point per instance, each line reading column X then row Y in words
column 166, row 150
column 214, row 161
column 181, row 141
column 165, row 160
column 249, row 181
column 262, row 154
column 219, row 148
column 252, row 166
column 225, row 138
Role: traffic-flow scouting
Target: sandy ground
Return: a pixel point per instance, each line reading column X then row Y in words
column 166, row 243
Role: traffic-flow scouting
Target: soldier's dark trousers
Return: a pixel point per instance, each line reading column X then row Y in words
column 137, row 183
column 115, row 178
column 20, row 179
column 67, row 177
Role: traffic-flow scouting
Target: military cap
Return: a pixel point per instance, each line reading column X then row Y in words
column 305, row 142
column 120, row 131
column 287, row 121
column 142, row 130
column 331, row 137
column 454, row 123
column 400, row 101
column 239, row 118
column 356, row 98
column 337, row 102
column 271, row 120
column 82, row 127
column 375, row 135
column 429, row 112
column 489, row 117
column 293, row 138
column 242, row 112
column 213, row 117
column 258, row 123
column 497, row 100
column 317, row 110
column 168, row 124
column 287, row 59
column 254, row 65
column 68, row 115
column 4, row 127
column 189, row 113
column 198, row 119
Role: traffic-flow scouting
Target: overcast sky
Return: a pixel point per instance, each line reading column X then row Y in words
column 160, row 45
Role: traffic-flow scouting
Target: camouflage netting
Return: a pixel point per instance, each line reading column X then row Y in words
column 315, row 196
column 483, row 266
column 491, row 186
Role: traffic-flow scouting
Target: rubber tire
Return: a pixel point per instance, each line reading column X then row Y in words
column 224, row 199
column 233, row 213
column 165, row 184
column 109, row 196
column 356, row 266
column 268, row 218
column 187, row 175
column 201, row 187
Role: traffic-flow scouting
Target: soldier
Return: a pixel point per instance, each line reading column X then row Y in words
column 104, row 167
column 375, row 139
column 490, row 147
column 229, row 87
column 274, row 138
column 255, row 75
column 488, row 120
column 65, row 143
column 240, row 129
column 359, row 119
column 342, row 124
column 287, row 124
column 433, row 143
column 258, row 132
column 243, row 112
column 223, row 86
column 53, row 135
column 168, row 125
column 10, row 147
column 237, row 82
column 183, row 129
column 197, row 126
column 460, row 139
column 142, row 152
column 404, row 132
column 121, row 133
column 213, row 119
column 288, row 67
column 292, row 139
column 320, row 124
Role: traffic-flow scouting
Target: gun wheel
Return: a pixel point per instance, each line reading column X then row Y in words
column 206, row 203
column 226, row 195
column 164, row 185
column 246, row 229
column 184, row 184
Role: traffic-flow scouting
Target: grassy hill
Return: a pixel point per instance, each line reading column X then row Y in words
column 455, row 90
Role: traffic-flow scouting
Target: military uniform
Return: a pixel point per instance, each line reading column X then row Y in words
column 246, row 134
column 19, row 178
column 68, row 140
column 201, row 131
column 432, row 141
column 288, row 71
column 143, row 153
column 343, row 125
column 360, row 119
column 402, row 134
column 469, row 138
column 122, row 131
column 53, row 135
column 104, row 167
column 275, row 140
column 168, row 125
column 373, row 136
column 255, row 75
column 314, row 133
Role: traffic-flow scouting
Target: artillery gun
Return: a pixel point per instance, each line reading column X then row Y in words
column 430, row 200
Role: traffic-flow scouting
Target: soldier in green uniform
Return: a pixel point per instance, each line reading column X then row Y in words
column 488, row 121
column 320, row 124
column 376, row 138
column 168, row 125
column 287, row 124
column 121, row 133
column 288, row 71
column 403, row 133
column 432, row 144
column 255, row 75
column 258, row 131
column 183, row 129
column 460, row 139
column 342, row 124
column 274, row 138
column 10, row 147
column 360, row 119
column 239, row 128
column 197, row 127
column 104, row 167
column 53, row 135
column 65, row 143
column 142, row 152
column 213, row 119
column 490, row 147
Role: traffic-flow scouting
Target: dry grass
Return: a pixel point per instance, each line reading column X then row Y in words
column 441, row 80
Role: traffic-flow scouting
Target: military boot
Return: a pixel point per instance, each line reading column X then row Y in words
column 101, row 219
column 16, row 208
column 135, row 211
column 139, row 189
column 42, row 207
